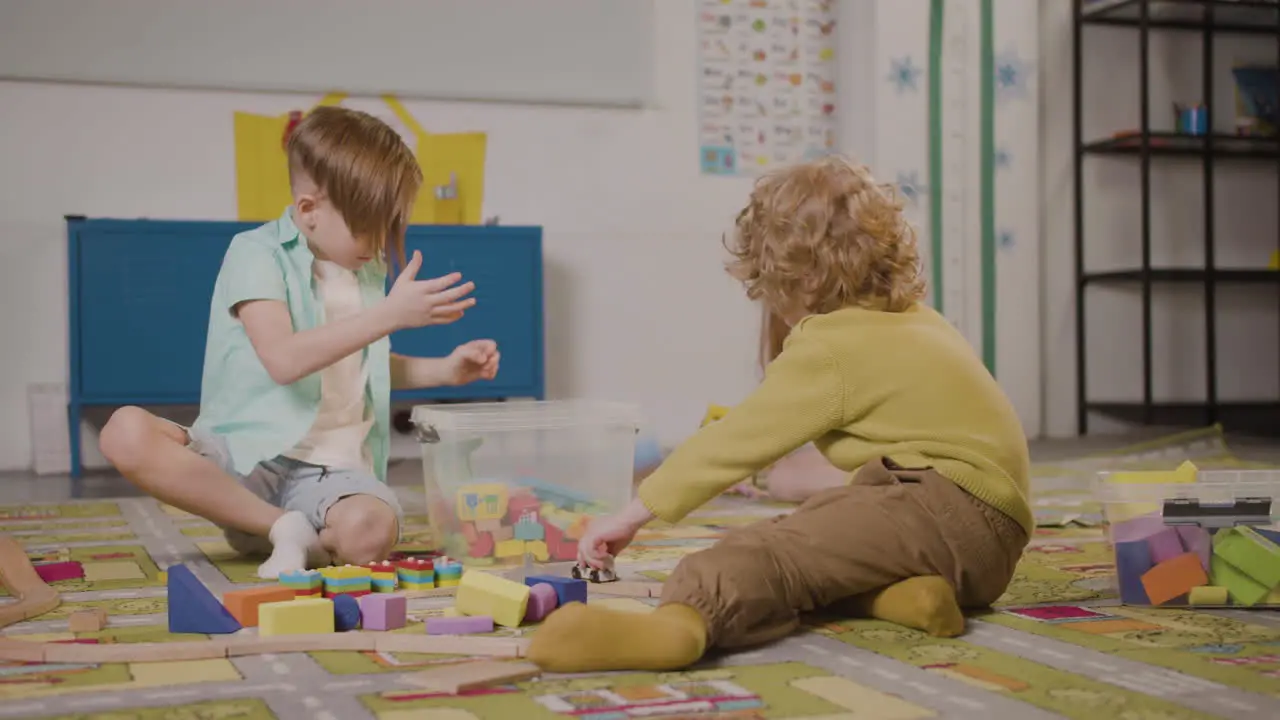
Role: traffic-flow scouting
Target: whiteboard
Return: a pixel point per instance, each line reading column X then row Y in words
column 578, row 52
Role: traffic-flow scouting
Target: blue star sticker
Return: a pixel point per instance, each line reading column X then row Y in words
column 1002, row 158
column 904, row 73
column 1013, row 75
column 911, row 187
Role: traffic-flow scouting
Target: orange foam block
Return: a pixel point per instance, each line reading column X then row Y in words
column 1174, row 578
column 243, row 604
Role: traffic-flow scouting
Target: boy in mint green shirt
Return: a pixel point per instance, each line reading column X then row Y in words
column 289, row 452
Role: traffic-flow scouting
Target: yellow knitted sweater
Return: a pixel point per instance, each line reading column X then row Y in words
column 862, row 384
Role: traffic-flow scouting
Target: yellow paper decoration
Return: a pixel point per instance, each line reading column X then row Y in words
column 452, row 168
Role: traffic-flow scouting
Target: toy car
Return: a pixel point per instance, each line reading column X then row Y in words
column 604, row 575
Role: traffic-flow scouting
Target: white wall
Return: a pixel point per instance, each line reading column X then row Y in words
column 1245, row 228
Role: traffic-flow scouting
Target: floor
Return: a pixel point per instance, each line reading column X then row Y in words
column 1058, row 647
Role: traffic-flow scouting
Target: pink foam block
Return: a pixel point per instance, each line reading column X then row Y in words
column 383, row 611
column 55, row 571
column 1165, row 545
column 1197, row 540
column 467, row 625
column 542, row 600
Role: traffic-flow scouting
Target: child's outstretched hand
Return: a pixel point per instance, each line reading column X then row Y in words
column 608, row 536
column 469, row 362
column 414, row 303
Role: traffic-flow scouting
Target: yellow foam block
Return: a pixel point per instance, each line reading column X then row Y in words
column 538, row 549
column 1208, row 595
column 509, row 548
column 482, row 593
column 304, row 616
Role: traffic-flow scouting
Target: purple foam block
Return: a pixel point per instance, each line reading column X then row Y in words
column 1165, row 545
column 1138, row 528
column 383, row 611
column 1197, row 540
column 542, row 600
column 467, row 625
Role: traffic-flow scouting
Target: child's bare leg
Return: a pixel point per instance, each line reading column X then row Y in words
column 360, row 529
column 152, row 453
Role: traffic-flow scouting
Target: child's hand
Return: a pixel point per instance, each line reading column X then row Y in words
column 415, row 303
column 608, row 536
column 476, row 360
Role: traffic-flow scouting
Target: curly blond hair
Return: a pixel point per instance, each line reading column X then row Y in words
column 821, row 236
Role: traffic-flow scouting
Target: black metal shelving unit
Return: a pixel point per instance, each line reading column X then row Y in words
column 1207, row 18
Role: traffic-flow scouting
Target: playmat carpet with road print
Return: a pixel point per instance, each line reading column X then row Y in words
column 1057, row 644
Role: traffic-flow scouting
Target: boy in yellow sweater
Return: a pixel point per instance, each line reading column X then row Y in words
column 934, row 515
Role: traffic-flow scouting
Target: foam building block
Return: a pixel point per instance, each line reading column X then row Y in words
column 482, row 593
column 1133, row 558
column 193, row 609
column 383, row 611
column 55, row 571
column 382, row 577
column 1165, row 545
column 243, row 604
column 1250, row 553
column 567, row 589
column 347, row 580
column 542, row 600
column 416, row 574
column 304, row 616
column 1137, row 528
column 465, row 625
column 448, row 573
column 346, row 613
column 303, row 583
column 1208, row 595
column 529, row 530
column 1197, row 540
column 1174, row 578
column 508, row 549
column 1243, row 589
column 538, row 549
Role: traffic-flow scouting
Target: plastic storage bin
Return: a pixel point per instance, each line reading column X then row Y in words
column 1202, row 538
column 516, row 480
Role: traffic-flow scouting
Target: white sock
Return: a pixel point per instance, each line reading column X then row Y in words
column 291, row 537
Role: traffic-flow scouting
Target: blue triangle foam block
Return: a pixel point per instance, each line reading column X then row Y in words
column 193, row 609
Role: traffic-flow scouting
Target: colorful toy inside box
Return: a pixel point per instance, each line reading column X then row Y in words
column 1188, row 551
column 497, row 522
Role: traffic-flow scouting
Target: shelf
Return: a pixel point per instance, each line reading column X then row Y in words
column 1229, row 16
column 1178, row 275
column 1171, row 144
column 1260, row 417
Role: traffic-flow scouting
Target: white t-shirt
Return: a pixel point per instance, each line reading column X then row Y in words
column 336, row 439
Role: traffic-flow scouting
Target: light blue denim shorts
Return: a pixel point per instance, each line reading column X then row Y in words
column 291, row 485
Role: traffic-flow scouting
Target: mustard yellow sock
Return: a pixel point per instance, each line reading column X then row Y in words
column 924, row 603
column 589, row 638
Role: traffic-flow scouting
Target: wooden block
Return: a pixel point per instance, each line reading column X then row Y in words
column 626, row 589
column 280, row 644
column 243, row 604
column 449, row 645
column 21, row 651
column 461, row 677
column 87, row 620
column 150, row 652
column 434, row 592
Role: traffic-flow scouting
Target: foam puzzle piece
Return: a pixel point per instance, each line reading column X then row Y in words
column 1250, row 553
column 465, row 625
column 567, row 589
column 542, row 600
column 304, row 616
column 346, row 613
column 1243, row 589
column 482, row 593
column 383, row 612
column 193, row 609
column 1133, row 558
column 243, row 604
column 1208, row 595
column 1174, row 578
column 1165, row 545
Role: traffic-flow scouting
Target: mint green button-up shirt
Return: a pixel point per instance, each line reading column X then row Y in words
column 239, row 401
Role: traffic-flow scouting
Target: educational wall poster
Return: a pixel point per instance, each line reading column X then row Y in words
column 766, row 87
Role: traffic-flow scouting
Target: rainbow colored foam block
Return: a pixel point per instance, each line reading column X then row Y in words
column 383, row 577
column 416, row 574
column 304, row 583
column 448, row 573
column 346, row 580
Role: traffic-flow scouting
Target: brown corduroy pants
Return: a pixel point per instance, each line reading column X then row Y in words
column 887, row 525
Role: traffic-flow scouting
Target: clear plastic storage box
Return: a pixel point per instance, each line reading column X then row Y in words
column 514, row 479
column 1194, row 537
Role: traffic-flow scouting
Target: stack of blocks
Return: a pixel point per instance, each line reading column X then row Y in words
column 304, row 583
column 383, row 577
column 494, row 520
column 1157, row 564
column 346, row 580
column 448, row 573
column 416, row 574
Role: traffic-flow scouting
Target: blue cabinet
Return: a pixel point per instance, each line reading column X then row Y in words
column 139, row 294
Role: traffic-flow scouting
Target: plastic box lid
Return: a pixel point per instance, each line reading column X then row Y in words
column 1210, row 486
column 515, row 416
